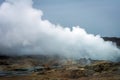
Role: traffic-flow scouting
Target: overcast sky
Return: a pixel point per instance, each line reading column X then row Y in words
column 95, row 16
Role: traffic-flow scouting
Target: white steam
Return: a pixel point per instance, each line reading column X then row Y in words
column 23, row 31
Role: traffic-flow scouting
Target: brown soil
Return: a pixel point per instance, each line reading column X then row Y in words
column 97, row 70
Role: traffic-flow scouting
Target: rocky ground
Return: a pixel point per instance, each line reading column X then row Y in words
column 31, row 68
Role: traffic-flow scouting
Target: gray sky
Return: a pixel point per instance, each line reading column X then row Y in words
column 95, row 16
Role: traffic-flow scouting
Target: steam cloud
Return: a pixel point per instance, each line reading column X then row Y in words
column 23, row 31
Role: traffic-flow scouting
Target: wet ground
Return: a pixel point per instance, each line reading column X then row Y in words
column 32, row 69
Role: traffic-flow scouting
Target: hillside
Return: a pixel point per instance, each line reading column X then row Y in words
column 113, row 39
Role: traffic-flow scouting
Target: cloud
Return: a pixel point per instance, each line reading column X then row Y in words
column 23, row 31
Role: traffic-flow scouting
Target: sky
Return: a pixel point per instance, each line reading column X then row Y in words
column 99, row 17
column 95, row 16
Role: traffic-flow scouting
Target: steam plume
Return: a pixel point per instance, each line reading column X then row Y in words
column 23, row 31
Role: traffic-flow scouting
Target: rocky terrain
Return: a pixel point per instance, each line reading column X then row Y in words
column 43, row 67
column 31, row 68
